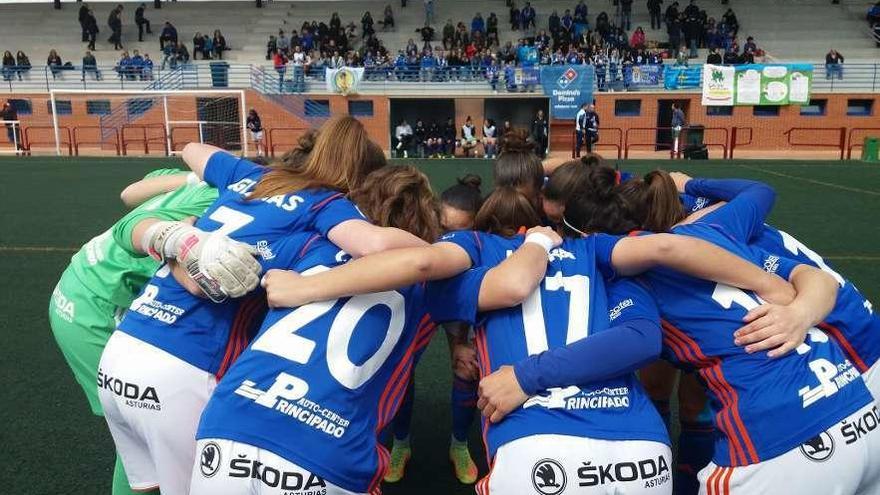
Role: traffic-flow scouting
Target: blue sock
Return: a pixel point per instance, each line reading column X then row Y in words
column 403, row 418
column 464, row 403
column 695, row 446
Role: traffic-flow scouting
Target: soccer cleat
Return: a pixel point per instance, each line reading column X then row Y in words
column 464, row 467
column 400, row 455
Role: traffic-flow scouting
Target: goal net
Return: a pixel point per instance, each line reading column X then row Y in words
column 128, row 122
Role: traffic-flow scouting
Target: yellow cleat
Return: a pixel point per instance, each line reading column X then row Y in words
column 399, row 457
column 464, row 467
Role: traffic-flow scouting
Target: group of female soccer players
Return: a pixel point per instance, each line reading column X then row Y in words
column 571, row 283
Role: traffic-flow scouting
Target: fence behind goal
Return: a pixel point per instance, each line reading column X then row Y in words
column 127, row 122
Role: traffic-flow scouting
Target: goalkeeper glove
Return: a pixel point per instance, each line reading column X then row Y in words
column 219, row 265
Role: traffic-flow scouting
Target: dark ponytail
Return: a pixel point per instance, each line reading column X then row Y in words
column 465, row 195
column 653, row 201
column 600, row 209
column 517, row 164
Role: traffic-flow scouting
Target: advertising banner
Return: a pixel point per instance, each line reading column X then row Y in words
column 568, row 87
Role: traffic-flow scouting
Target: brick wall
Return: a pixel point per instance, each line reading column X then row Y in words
column 768, row 133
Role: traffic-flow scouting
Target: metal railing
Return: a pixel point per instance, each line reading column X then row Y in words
column 268, row 79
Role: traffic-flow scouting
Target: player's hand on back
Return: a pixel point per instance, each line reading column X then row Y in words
column 185, row 281
column 681, row 179
column 284, row 289
column 464, row 362
column 222, row 267
column 500, row 393
column 777, row 328
column 547, row 231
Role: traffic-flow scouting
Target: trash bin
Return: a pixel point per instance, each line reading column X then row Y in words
column 220, row 74
column 694, row 135
column 871, row 149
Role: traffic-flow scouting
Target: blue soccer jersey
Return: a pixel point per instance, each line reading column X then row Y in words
column 319, row 382
column 852, row 322
column 195, row 329
column 762, row 407
column 570, row 304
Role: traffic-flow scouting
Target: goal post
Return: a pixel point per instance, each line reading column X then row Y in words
column 133, row 120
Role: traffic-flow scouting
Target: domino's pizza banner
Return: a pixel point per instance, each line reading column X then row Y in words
column 757, row 84
column 569, row 87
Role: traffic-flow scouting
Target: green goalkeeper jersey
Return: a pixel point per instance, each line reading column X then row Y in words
column 108, row 265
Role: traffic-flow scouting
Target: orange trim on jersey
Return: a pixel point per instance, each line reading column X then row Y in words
column 375, row 483
column 238, row 335
column 845, row 344
column 317, row 206
column 308, row 244
column 397, row 379
column 721, row 418
column 635, row 233
column 711, row 367
column 485, row 370
column 522, row 230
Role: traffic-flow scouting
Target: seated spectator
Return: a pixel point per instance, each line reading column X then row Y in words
column 434, row 141
column 833, row 65
column 183, row 55
column 478, row 25
column 387, row 21
column 468, row 137
column 219, row 44
column 490, row 140
column 90, row 65
column 54, row 63
column 403, row 134
column 207, row 47
column 638, row 38
column 199, row 46
column 750, row 47
column 714, row 57
column 449, row 138
column 731, row 57
column 8, row 65
column 123, row 67
column 420, row 137
column 22, row 63
column 137, row 65
column 168, row 35
column 147, row 70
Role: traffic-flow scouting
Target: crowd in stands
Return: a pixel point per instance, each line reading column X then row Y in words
column 460, row 50
column 15, row 66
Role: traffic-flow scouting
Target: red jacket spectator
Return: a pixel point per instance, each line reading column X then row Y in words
column 637, row 40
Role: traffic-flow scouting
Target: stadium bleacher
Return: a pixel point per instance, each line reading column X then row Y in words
column 789, row 30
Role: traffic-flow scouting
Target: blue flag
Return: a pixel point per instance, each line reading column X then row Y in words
column 569, row 87
column 678, row 77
